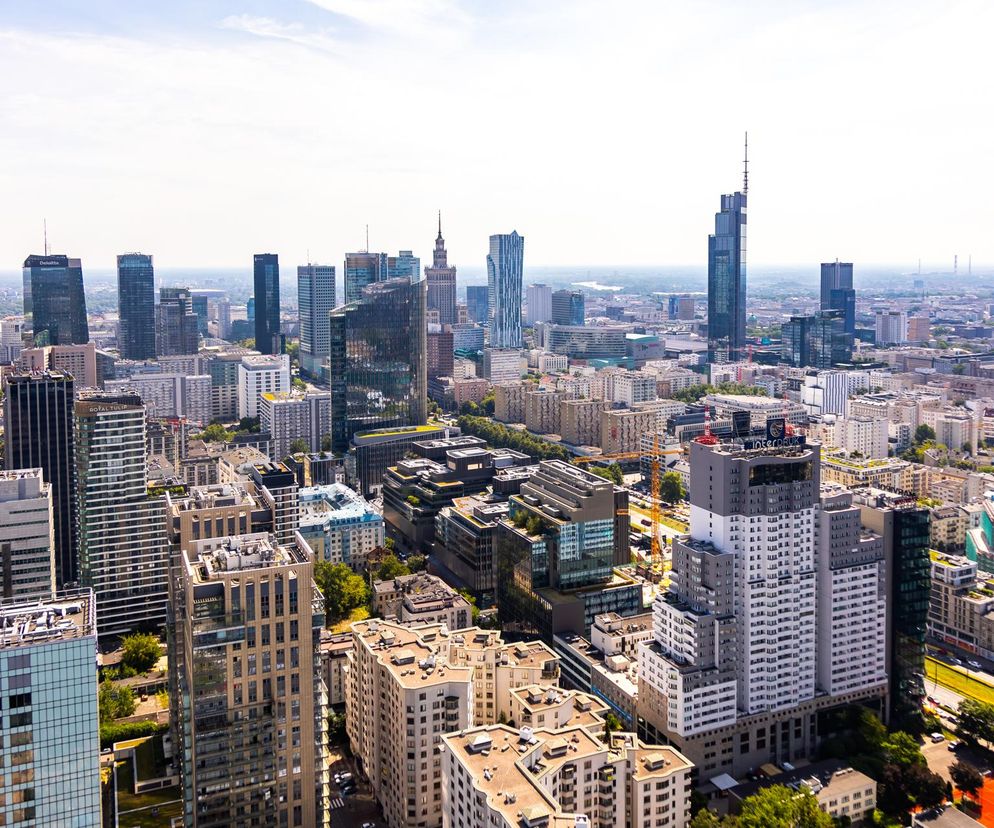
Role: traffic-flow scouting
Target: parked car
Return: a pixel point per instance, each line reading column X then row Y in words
column 954, row 745
column 956, row 661
column 937, row 737
column 976, row 665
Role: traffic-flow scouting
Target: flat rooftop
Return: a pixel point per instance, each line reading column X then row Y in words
column 68, row 616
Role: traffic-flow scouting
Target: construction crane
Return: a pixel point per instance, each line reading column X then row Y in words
column 655, row 548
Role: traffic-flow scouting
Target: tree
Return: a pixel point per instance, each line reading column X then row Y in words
column 471, row 600
column 967, row 448
column 966, row 777
column 326, row 442
column 976, row 721
column 903, row 750
column 705, row 819
column 417, row 563
column 612, row 473
column 249, row 425
column 612, row 724
column 781, row 807
column 299, row 446
column 671, row 487
column 114, row 701
column 298, row 383
column 927, row 788
column 390, row 567
column 923, row 433
column 140, row 651
column 343, row 590
column 216, row 433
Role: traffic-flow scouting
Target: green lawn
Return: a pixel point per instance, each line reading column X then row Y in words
column 957, row 680
column 136, row 811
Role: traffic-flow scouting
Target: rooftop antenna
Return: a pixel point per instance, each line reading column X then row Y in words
column 745, row 170
column 440, row 224
column 955, row 263
column 367, row 238
column 45, row 223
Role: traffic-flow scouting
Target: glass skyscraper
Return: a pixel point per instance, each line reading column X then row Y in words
column 316, row 299
column 567, row 307
column 178, row 328
column 727, row 280
column 505, row 274
column 54, row 302
column 837, row 291
column 38, row 413
column 267, row 304
column 478, row 303
column 136, row 306
column 377, row 360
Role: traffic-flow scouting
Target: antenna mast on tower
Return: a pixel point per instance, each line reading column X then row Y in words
column 45, row 224
column 745, row 167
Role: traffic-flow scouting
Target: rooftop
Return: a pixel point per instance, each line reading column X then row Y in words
column 242, row 553
column 68, row 615
column 335, row 501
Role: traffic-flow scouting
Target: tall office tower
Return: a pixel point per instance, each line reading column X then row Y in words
column 905, row 529
column 123, row 546
column 177, row 329
column 316, row 299
column 837, row 291
column 136, row 306
column 478, row 303
column 248, row 710
column 727, row 277
column 556, row 551
column 198, row 304
column 362, row 269
column 567, row 307
column 405, row 265
column 539, row 300
column 54, row 301
column 795, row 339
column 223, row 317
column 268, row 339
column 38, row 415
column 250, row 309
column 891, row 327
column 27, row 547
column 51, row 750
column 505, row 271
column 732, row 673
column 378, row 361
column 441, row 281
column 831, row 344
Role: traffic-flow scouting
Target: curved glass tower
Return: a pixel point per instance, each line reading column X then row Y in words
column 505, row 265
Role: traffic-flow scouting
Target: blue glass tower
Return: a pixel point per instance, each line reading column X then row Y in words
column 727, row 276
column 837, row 291
column 267, row 304
column 505, row 274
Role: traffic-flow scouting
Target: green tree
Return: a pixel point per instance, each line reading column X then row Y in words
column 391, row 567
column 299, row 446
column 781, row 807
column 927, row 788
column 923, row 433
column 976, row 721
column 114, row 701
column 249, row 425
column 216, row 433
column 298, row 383
column 612, row 473
column 140, row 651
column 326, row 442
column 671, row 487
column 612, row 724
column 471, row 600
column 343, row 590
column 705, row 819
column 336, row 728
column 966, row 777
column 417, row 563
column 903, row 750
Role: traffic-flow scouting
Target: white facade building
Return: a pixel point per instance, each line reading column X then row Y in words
column 339, row 525
column 256, row 376
column 502, row 365
column 539, row 298
column 27, row 541
column 292, row 415
column 891, row 327
column 632, row 387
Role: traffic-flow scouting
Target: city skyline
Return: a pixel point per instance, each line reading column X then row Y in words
column 195, row 205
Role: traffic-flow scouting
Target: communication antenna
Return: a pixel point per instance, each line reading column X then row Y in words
column 955, row 263
column 45, row 223
column 367, row 238
column 745, row 170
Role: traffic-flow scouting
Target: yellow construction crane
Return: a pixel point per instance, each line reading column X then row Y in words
column 655, row 548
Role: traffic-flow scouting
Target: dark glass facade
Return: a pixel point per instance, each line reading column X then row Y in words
column 54, row 302
column 38, row 413
column 837, row 291
column 567, row 307
column 267, row 304
column 727, row 280
column 177, row 326
column 136, row 306
column 362, row 269
column 377, row 360
column 505, row 274
column 909, row 599
column 477, row 303
column 818, row 341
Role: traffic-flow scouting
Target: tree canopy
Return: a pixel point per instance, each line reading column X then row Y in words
column 612, row 473
column 500, row 436
column 343, row 590
column 140, row 651
column 390, row 567
column 671, row 487
column 114, row 701
column 781, row 807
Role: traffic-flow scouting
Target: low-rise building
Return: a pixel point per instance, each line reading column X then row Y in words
column 339, row 525
column 421, row 598
column 961, row 605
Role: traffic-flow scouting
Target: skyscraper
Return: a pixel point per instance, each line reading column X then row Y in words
column 123, row 546
column 177, row 329
column 54, row 301
column 567, row 307
column 27, row 550
column 441, row 281
column 404, row 265
column 539, row 304
column 267, row 304
column 316, row 299
column 837, row 291
column 377, row 360
column 136, row 306
column 38, row 413
column 505, row 270
column 727, row 277
column 478, row 303
column 363, row 269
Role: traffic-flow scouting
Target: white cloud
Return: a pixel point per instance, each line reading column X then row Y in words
column 292, row 32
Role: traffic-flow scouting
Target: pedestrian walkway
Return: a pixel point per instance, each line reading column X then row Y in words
column 337, row 802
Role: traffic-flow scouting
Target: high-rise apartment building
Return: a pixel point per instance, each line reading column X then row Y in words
column 176, row 323
column 316, row 299
column 377, row 360
column 539, row 300
column 295, row 415
column 727, row 279
column 268, row 339
column 136, row 306
column 38, row 420
column 54, row 301
column 258, row 375
column 11, row 338
column 505, row 272
column 680, row 307
column 891, row 327
column 567, row 307
column 27, row 549
column 837, row 292
column 123, row 545
column 51, row 748
column 248, row 709
column 478, row 303
column 441, row 281
column 406, row 687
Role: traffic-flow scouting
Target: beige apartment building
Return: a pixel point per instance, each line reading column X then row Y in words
column 561, row 778
column 580, row 421
column 542, row 411
column 961, row 607
column 622, row 429
column 509, row 401
column 248, row 703
column 406, row 688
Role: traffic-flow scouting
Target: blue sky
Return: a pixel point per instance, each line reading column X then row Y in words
column 604, row 132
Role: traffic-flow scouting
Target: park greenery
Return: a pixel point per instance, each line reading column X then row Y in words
column 671, row 487
column 695, row 392
column 485, row 408
column 114, row 701
column 140, row 652
column 612, row 473
column 776, row 806
column 342, row 588
column 500, row 436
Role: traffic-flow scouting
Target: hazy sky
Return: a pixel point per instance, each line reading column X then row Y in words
column 604, row 132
